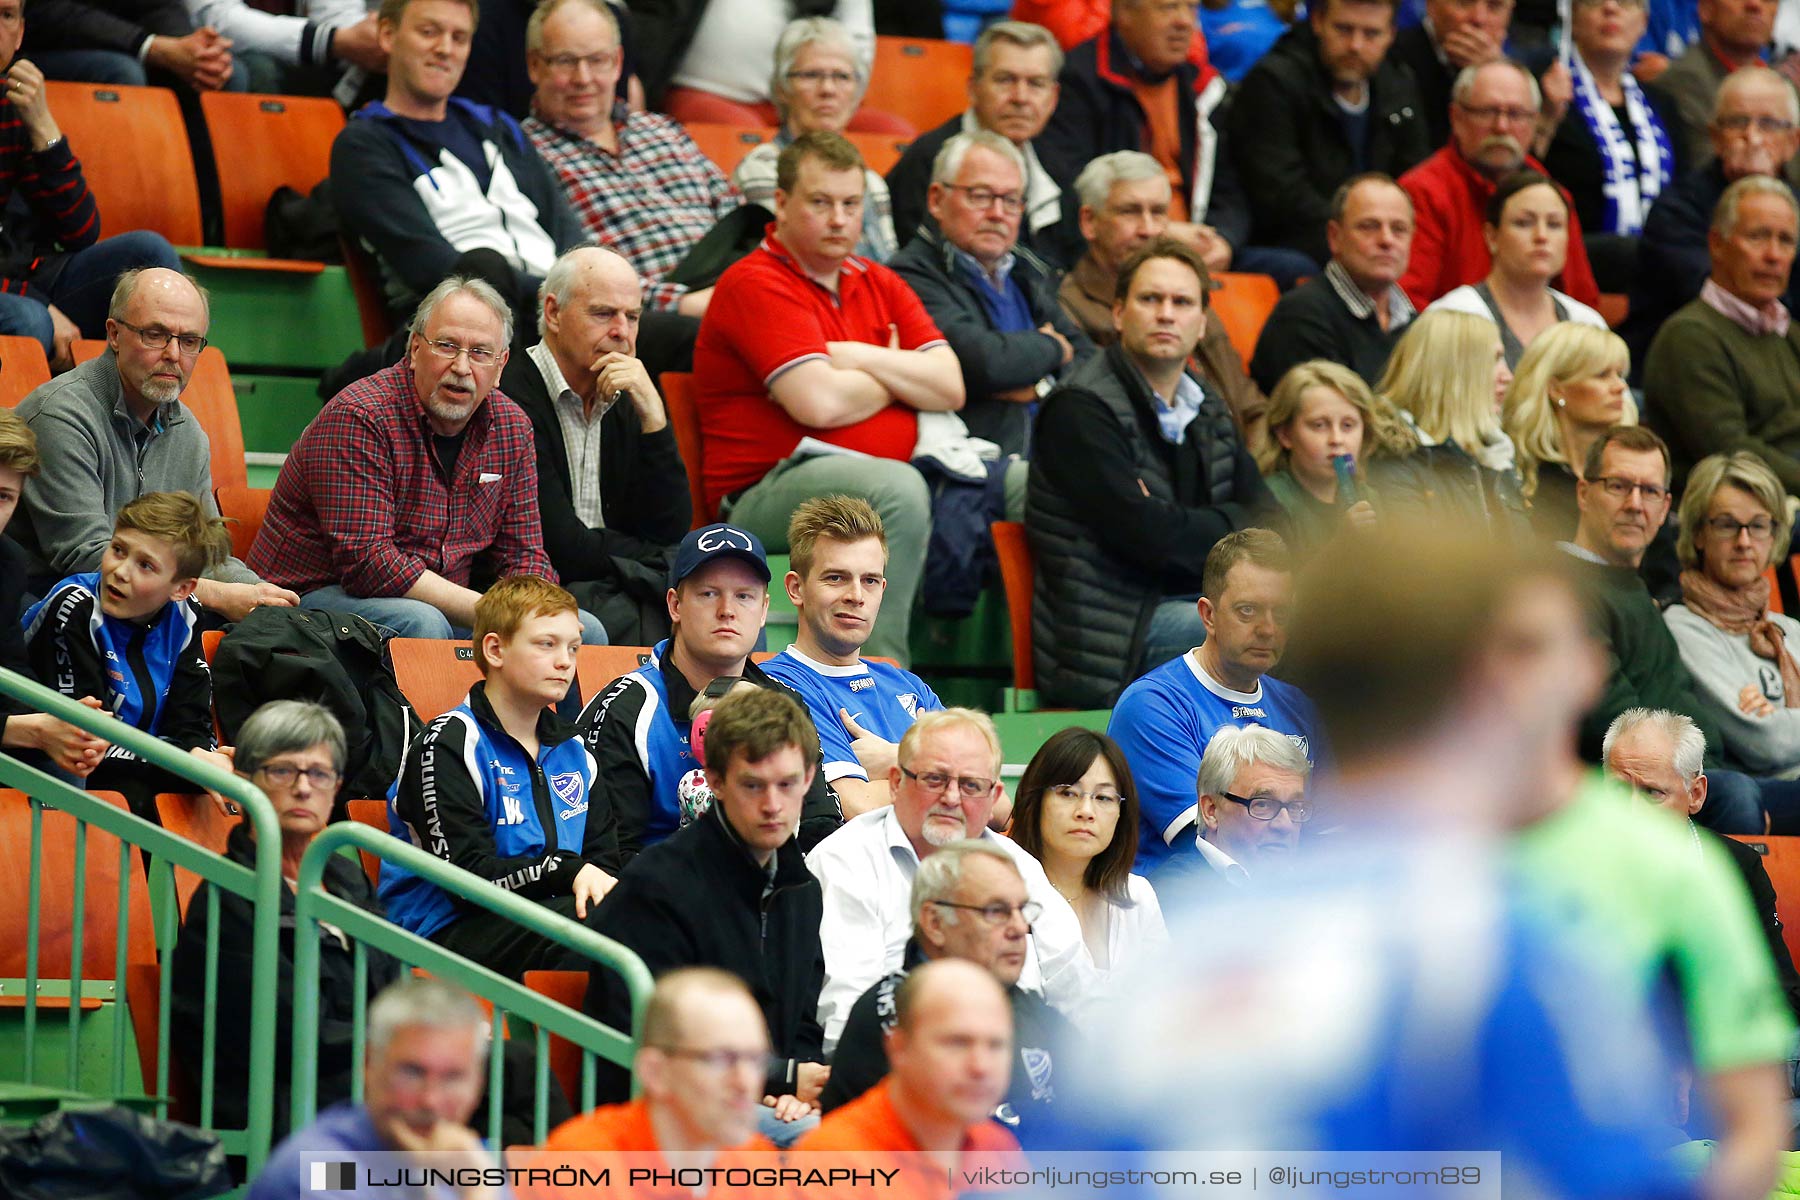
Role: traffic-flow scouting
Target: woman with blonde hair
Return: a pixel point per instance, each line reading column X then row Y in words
column 1446, row 375
column 1734, row 525
column 1569, row 388
column 1322, row 414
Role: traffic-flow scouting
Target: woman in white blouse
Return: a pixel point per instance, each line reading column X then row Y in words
column 1076, row 812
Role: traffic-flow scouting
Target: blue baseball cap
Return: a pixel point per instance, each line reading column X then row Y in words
column 710, row 542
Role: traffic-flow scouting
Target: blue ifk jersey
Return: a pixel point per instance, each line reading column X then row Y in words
column 883, row 699
column 1163, row 722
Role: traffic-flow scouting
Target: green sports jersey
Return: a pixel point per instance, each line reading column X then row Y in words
column 1638, row 886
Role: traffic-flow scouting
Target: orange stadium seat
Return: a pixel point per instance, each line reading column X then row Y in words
column 245, row 507
column 271, row 141
column 199, row 820
column 143, row 994
column 372, row 813
column 1614, row 307
column 1243, row 304
column 880, row 151
column 1018, row 569
column 365, row 284
column 684, row 415
column 22, row 368
column 920, row 80
column 434, row 675
column 1781, row 859
column 727, row 145
column 134, row 154
column 598, row 666
column 569, row 989
column 213, row 401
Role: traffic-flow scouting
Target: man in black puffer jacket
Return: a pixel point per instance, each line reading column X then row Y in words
column 1138, row 470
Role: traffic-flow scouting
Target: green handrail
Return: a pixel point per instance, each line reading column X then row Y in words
column 262, row 884
column 313, row 904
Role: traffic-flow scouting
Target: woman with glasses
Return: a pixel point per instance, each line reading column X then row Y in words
column 1076, row 812
column 1527, row 233
column 294, row 751
column 1734, row 525
column 818, row 82
column 1568, row 389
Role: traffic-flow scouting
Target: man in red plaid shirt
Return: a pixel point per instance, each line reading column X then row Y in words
column 410, row 474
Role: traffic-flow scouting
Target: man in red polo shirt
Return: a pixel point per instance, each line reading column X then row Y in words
column 1493, row 112
column 804, row 340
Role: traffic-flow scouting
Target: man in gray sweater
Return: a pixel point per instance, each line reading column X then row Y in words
column 114, row 428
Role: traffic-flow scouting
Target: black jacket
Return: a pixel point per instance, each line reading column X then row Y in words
column 344, row 879
column 1098, row 113
column 1432, row 79
column 1447, row 484
column 121, row 25
column 991, row 361
column 860, row 1060
column 1762, row 899
column 643, row 485
column 14, row 566
column 1288, row 144
column 1311, row 321
column 699, row 899
column 1119, row 518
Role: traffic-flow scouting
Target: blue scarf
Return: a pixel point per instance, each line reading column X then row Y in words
column 1633, row 181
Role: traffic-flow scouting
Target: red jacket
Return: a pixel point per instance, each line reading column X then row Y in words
column 1449, row 202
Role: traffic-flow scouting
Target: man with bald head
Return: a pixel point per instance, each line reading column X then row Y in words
column 1755, row 130
column 1733, row 35
column 1494, row 110
column 612, row 491
column 114, row 429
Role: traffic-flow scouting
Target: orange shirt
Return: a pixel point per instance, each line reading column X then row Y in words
column 1162, row 136
column 589, row 1139
column 867, row 1133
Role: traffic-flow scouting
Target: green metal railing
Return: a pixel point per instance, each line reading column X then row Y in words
column 261, row 885
column 509, row 998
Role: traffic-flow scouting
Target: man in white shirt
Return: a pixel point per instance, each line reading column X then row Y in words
column 944, row 783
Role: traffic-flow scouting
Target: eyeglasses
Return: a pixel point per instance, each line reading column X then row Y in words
column 1742, row 122
column 723, row 1060
column 1265, row 808
column 1621, row 489
column 1069, row 794
column 1011, row 203
column 815, row 78
column 1037, row 84
column 936, row 783
column 566, row 64
column 1493, row 113
column 283, row 775
column 1728, row 528
column 157, row 338
column 999, row 912
column 481, row 356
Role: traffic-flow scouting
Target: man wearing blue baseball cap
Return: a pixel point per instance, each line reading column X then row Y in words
column 638, row 728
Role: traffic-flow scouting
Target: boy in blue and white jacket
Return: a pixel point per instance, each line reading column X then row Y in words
column 502, row 787
column 128, row 635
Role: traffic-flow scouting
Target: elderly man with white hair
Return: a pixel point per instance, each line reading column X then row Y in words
column 1252, row 789
column 994, row 300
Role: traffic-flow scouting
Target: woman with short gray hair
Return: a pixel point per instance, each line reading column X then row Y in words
column 817, row 84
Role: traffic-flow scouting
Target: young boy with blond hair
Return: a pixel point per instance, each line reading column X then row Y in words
column 502, row 787
column 129, row 636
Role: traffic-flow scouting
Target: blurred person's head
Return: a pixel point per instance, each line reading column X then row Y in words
column 1752, row 239
column 1124, row 204
column 1370, row 232
column 819, row 199
column 946, row 777
column 1321, row 410
column 1493, row 115
column 1737, row 29
column 1013, row 88
column 837, row 554
column 1160, row 303
column 1491, row 18
column 1755, row 126
column 819, row 78
column 949, row 1050
column 969, row 902
column 702, row 1060
column 1527, row 229
column 1623, row 494
column 1660, row 755
column 1252, row 793
column 718, row 598
column 1569, row 386
column 19, row 461
column 427, row 44
column 1608, row 31
column 1246, row 603
column 294, row 751
column 459, row 343
column 761, row 753
column 1449, row 371
column 572, row 56
column 1734, row 522
column 526, row 632
column 1077, row 803
column 1156, row 32
column 1353, row 37
column 427, row 1047
column 589, row 305
column 977, row 195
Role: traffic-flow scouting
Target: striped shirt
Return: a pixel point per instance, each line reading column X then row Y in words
column 581, row 437
column 51, row 184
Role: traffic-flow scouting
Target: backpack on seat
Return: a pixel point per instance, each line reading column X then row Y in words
column 337, row 659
